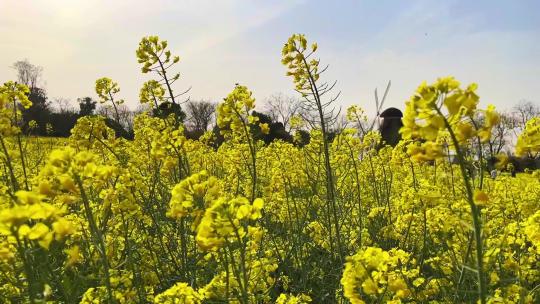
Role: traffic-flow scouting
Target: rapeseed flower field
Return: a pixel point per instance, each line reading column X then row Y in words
column 161, row 218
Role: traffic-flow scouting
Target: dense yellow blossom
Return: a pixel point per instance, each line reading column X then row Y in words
column 374, row 272
column 180, row 293
column 166, row 219
column 529, row 140
column 290, row 299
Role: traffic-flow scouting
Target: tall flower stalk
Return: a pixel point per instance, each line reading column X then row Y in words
column 424, row 120
column 304, row 69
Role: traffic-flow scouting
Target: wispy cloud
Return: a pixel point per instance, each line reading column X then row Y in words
column 227, row 41
column 243, row 18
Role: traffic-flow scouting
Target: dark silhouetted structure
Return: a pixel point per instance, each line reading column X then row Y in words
column 390, row 126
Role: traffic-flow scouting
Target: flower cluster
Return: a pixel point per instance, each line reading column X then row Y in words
column 440, row 108
column 290, row 299
column 152, row 92
column 374, row 272
column 33, row 219
column 149, row 51
column 193, row 195
column 180, row 293
column 295, row 55
column 234, row 112
column 529, row 140
column 226, row 220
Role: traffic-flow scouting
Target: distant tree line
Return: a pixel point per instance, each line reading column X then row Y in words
column 57, row 117
column 48, row 119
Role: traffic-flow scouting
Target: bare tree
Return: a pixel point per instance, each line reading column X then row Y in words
column 341, row 123
column 501, row 134
column 105, row 110
column 524, row 111
column 200, row 114
column 281, row 107
column 126, row 116
column 62, row 105
column 27, row 73
column 142, row 108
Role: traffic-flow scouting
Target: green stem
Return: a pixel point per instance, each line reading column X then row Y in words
column 27, row 269
column 97, row 237
column 475, row 212
column 19, row 142
column 330, row 189
column 115, row 108
column 14, row 182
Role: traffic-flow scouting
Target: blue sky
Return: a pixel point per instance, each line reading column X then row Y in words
column 366, row 43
